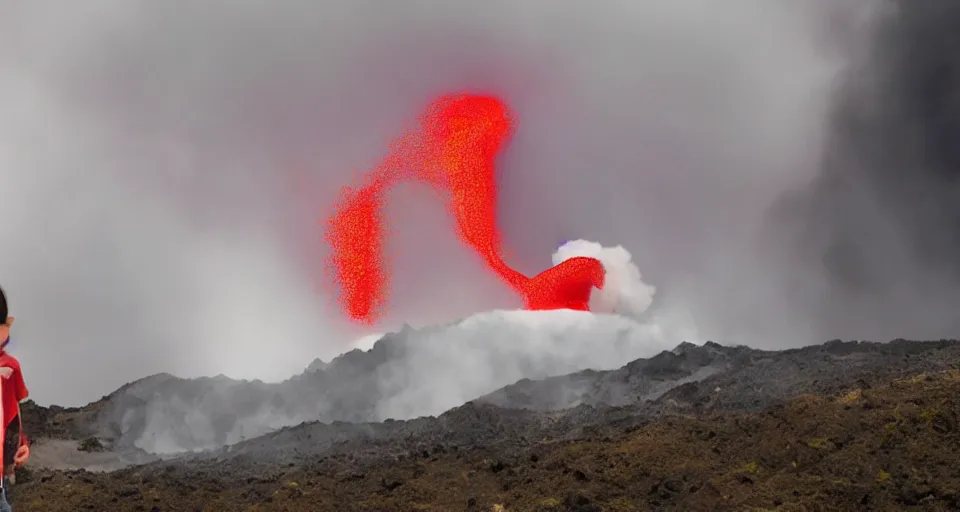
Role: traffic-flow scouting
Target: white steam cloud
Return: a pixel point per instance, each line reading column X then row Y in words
column 413, row 373
column 624, row 291
column 422, row 372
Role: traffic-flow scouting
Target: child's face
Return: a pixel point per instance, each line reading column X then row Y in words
column 5, row 329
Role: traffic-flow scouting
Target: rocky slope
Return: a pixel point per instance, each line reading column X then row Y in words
column 412, row 373
column 696, row 428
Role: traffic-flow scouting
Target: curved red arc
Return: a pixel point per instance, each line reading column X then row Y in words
column 454, row 151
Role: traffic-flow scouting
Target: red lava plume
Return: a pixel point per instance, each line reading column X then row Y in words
column 454, row 151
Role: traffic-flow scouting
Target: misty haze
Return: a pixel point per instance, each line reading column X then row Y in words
column 169, row 169
column 767, row 174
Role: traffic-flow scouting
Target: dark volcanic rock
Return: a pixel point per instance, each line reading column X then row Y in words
column 404, row 375
column 841, row 427
column 744, row 380
column 690, row 378
column 639, row 381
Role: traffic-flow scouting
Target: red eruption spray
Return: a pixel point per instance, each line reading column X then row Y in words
column 454, row 151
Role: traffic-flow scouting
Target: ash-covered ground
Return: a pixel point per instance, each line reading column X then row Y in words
column 707, row 427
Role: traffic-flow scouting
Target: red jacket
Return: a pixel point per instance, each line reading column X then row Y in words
column 14, row 389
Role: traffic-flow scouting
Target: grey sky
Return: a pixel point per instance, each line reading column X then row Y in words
column 164, row 168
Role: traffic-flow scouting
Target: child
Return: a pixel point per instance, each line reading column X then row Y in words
column 15, row 448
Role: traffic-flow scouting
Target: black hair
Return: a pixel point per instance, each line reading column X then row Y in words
column 3, row 306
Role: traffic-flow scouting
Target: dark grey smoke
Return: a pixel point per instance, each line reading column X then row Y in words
column 880, row 227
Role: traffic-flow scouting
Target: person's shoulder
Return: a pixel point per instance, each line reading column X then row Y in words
column 6, row 359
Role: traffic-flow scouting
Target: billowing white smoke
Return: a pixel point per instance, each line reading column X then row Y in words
column 433, row 369
column 624, row 292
